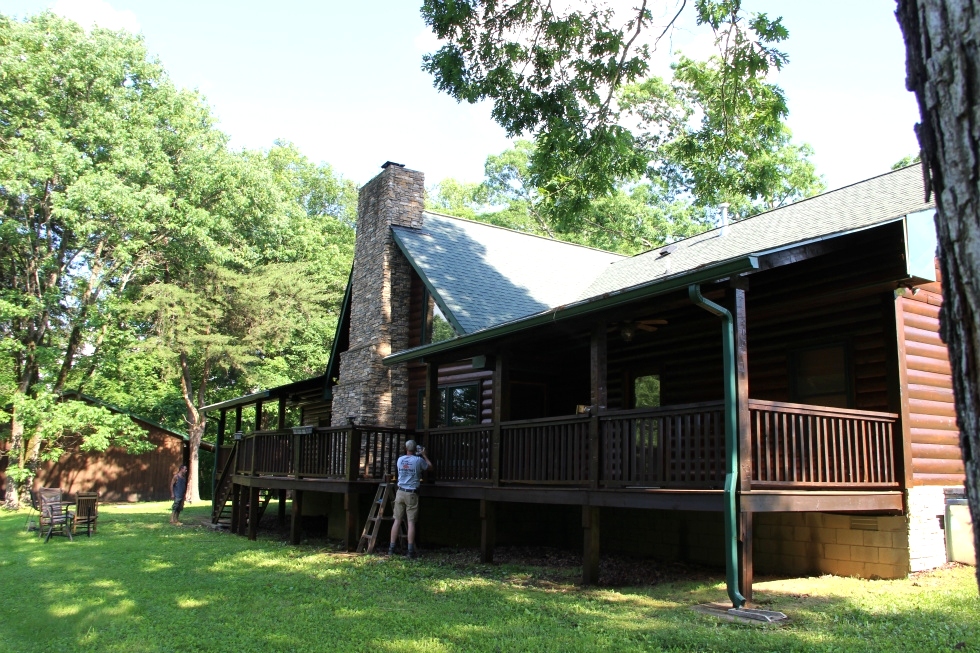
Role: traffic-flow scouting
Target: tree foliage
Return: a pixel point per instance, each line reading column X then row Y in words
column 558, row 76
column 140, row 257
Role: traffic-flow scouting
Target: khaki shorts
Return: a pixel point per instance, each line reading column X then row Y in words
column 407, row 502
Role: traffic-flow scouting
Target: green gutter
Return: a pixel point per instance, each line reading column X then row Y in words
column 583, row 307
column 731, row 448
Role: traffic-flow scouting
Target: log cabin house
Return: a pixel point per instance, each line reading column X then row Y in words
column 770, row 394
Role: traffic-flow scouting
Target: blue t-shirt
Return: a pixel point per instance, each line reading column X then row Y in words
column 180, row 487
column 410, row 468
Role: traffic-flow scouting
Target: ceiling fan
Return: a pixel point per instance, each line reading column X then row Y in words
column 628, row 329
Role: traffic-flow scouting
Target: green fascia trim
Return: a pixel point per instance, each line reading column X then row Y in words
column 74, row 394
column 333, row 363
column 584, row 307
column 428, row 284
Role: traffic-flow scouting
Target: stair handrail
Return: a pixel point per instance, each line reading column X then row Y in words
column 222, row 493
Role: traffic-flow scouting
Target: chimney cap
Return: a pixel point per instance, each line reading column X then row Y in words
column 392, row 163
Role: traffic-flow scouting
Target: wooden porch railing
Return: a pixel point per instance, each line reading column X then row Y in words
column 801, row 446
column 546, row 451
column 463, row 451
column 794, row 446
column 673, row 446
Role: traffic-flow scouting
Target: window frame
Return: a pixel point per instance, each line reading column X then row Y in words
column 447, row 415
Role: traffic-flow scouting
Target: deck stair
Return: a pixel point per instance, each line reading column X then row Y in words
column 382, row 510
column 221, row 508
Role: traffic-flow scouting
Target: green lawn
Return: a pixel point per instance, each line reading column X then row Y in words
column 143, row 585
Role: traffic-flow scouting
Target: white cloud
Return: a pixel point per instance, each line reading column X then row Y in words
column 89, row 13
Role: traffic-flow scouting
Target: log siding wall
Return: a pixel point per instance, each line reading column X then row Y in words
column 928, row 406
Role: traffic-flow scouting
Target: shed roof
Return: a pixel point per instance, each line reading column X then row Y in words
column 485, row 275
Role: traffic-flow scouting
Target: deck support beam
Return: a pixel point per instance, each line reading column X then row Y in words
column 236, row 500
column 282, row 508
column 745, row 567
column 296, row 517
column 590, row 553
column 501, row 411
column 488, row 530
column 253, row 512
column 352, row 516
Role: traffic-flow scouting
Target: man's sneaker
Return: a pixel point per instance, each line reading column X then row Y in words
column 411, row 555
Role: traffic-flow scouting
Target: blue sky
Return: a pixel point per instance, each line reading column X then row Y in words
column 342, row 80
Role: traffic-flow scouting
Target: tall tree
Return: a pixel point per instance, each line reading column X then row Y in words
column 556, row 75
column 91, row 135
column 943, row 70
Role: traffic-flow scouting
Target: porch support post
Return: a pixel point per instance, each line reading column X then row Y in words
column 431, row 417
column 590, row 553
column 731, row 441
column 737, row 294
column 258, row 415
column 282, row 508
column 501, row 409
column 745, row 568
column 488, row 529
column 222, row 418
column 281, row 422
column 235, row 506
column 742, row 389
column 599, row 395
column 352, row 516
column 238, row 419
column 253, row 512
column 296, row 517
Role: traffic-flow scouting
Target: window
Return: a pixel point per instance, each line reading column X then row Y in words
column 435, row 326
column 459, row 405
column 646, row 391
column 821, row 376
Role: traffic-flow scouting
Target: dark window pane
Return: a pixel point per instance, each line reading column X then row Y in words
column 465, row 405
column 821, row 376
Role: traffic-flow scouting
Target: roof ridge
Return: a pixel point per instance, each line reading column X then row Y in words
column 521, row 233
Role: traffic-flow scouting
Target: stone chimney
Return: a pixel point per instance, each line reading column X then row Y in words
column 367, row 391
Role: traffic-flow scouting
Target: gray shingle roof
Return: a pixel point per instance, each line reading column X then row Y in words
column 487, row 275
column 854, row 207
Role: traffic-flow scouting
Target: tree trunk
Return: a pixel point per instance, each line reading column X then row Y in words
column 12, row 492
column 195, row 431
column 942, row 40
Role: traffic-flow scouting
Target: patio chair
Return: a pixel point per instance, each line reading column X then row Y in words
column 35, row 510
column 86, row 512
column 54, row 513
column 45, row 494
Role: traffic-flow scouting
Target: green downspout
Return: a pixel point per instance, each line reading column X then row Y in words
column 731, row 446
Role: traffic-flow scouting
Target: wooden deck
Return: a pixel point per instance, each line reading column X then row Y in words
column 802, row 458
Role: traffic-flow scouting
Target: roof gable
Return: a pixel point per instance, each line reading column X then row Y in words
column 486, row 275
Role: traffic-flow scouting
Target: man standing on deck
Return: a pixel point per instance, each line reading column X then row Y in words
column 410, row 468
column 178, row 490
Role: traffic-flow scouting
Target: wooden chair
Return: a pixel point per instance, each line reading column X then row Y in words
column 86, row 512
column 54, row 515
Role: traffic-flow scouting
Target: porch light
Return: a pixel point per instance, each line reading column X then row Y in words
column 302, row 430
column 238, row 435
